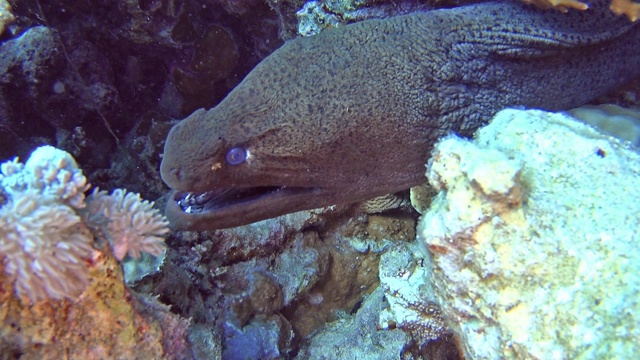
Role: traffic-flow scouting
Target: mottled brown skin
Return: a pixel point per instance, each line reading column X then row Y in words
column 353, row 113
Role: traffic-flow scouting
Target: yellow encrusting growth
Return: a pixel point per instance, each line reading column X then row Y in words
column 626, row 7
column 6, row 17
column 618, row 7
column 562, row 5
column 101, row 323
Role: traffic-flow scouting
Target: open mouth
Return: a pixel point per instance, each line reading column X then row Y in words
column 230, row 207
column 194, row 203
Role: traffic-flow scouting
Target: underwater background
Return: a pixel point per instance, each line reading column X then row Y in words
column 522, row 242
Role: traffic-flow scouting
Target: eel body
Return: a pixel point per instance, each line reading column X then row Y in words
column 353, row 113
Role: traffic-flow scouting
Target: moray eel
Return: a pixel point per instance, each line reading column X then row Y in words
column 353, row 113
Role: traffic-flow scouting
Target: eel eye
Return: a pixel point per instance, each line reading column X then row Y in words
column 236, row 156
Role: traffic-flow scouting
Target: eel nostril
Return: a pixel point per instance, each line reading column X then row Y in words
column 175, row 173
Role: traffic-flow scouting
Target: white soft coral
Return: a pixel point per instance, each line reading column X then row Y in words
column 47, row 227
column 44, row 245
column 130, row 224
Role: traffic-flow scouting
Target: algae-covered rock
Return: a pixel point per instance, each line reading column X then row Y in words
column 104, row 322
column 533, row 239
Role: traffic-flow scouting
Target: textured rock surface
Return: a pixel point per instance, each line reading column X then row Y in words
column 533, row 239
column 106, row 321
column 316, row 16
column 405, row 282
column 356, row 337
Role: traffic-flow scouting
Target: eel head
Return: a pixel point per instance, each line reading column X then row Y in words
column 285, row 139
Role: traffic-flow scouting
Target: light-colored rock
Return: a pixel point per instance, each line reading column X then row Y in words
column 612, row 120
column 405, row 282
column 6, row 17
column 533, row 239
column 356, row 336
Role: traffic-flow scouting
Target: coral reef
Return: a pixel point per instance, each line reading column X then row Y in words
column 280, row 282
column 216, row 56
column 534, row 252
column 64, row 294
column 27, row 69
column 237, row 285
column 350, row 273
column 263, row 338
column 70, row 72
